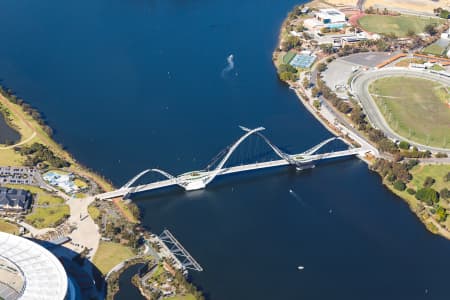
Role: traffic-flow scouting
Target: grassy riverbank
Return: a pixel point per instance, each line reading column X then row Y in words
column 32, row 132
column 410, row 106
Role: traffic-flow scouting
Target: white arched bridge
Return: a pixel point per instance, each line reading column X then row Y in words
column 196, row 180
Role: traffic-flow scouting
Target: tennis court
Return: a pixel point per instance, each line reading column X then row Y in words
column 302, row 61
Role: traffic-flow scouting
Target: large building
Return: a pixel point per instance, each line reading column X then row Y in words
column 29, row 271
column 330, row 16
column 14, row 200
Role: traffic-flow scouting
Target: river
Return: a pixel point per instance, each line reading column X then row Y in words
column 129, row 85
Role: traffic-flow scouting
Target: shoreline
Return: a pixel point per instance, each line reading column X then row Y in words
column 31, row 131
column 429, row 222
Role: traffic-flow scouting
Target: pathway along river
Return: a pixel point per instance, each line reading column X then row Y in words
column 135, row 84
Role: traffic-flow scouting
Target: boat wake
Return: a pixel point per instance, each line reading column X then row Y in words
column 230, row 66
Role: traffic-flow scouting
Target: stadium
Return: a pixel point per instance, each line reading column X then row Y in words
column 29, row 271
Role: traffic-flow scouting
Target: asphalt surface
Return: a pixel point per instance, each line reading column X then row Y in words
column 360, row 87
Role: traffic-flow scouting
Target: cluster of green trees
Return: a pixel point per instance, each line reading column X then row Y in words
column 287, row 72
column 372, row 11
column 427, row 195
column 38, row 153
column 395, row 172
column 291, row 42
column 116, row 228
column 443, row 13
column 34, row 113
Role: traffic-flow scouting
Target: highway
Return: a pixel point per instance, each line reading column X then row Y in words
column 360, row 88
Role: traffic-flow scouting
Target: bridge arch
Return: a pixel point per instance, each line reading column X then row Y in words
column 136, row 178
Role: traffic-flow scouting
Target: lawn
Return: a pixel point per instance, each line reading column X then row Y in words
column 399, row 25
column 8, row 227
column 43, row 217
column 435, row 171
column 405, row 62
column 288, row 57
column 434, row 49
column 93, row 211
column 110, row 254
column 414, row 108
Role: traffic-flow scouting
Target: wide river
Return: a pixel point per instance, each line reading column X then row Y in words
column 132, row 84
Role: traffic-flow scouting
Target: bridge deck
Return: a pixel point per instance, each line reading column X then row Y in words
column 236, row 169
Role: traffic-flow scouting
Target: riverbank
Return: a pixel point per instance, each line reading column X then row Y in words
column 340, row 121
column 32, row 132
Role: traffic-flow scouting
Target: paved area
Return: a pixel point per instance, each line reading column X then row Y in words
column 337, row 75
column 360, row 87
column 367, row 59
column 18, row 175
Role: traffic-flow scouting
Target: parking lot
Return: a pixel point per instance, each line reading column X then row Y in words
column 367, row 59
column 17, row 175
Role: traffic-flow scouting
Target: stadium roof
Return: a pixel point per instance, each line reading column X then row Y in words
column 44, row 276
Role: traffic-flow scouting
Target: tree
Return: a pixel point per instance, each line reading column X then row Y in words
column 427, row 195
column 410, row 33
column 316, row 104
column 291, row 42
column 411, row 191
column 315, row 92
column 430, row 29
column 287, row 76
column 429, row 181
column 445, row 193
column 399, row 185
column 447, row 177
column 287, row 68
column 321, row 67
column 441, row 214
column 404, row 145
column 326, row 48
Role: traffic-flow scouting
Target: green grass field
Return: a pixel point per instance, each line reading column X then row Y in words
column 435, row 171
column 8, row 227
column 414, row 108
column 93, row 211
column 399, row 25
column 288, row 57
column 434, row 49
column 110, row 254
column 43, row 217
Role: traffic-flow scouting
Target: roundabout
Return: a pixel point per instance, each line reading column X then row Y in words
column 370, row 87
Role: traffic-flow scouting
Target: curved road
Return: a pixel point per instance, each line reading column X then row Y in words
column 360, row 88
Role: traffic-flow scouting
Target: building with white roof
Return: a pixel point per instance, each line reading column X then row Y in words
column 29, row 271
column 330, row 16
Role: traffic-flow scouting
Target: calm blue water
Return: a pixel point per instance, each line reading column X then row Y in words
column 7, row 133
column 135, row 84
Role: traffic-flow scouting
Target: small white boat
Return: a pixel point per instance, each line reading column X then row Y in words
column 300, row 267
column 291, row 191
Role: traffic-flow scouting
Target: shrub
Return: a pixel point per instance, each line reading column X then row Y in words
column 427, row 195
column 411, row 191
column 445, row 193
column 399, row 185
column 404, row 145
column 429, row 181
